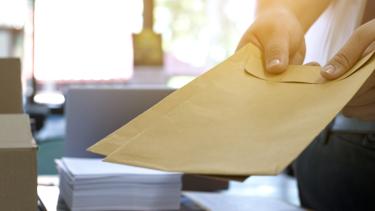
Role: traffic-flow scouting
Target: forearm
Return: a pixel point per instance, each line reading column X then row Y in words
column 306, row 11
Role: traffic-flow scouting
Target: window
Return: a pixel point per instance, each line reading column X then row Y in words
column 90, row 40
column 84, row 40
column 202, row 32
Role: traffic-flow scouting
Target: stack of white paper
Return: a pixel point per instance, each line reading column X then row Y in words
column 91, row 184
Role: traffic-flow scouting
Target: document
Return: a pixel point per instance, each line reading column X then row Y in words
column 235, row 119
column 90, row 184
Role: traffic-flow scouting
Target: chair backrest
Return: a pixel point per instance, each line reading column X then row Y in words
column 92, row 113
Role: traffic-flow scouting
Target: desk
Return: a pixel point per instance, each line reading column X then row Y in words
column 48, row 192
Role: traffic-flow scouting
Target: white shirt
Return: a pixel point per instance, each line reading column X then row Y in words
column 333, row 28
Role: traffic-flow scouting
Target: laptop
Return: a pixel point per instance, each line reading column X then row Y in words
column 93, row 113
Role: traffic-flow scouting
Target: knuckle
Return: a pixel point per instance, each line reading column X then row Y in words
column 342, row 60
column 358, row 33
column 275, row 50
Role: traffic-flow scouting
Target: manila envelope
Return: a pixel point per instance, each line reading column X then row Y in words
column 235, row 119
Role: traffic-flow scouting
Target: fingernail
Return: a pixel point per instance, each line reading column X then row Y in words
column 273, row 62
column 330, row 69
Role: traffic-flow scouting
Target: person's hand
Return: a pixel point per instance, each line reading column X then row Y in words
column 362, row 42
column 279, row 34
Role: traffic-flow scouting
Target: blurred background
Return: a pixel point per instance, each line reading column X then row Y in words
column 86, row 42
column 94, row 43
column 97, row 43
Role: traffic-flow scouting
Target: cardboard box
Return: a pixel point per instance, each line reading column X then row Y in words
column 10, row 86
column 18, row 177
column 18, row 164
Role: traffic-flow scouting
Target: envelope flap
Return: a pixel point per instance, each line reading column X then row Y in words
column 294, row 73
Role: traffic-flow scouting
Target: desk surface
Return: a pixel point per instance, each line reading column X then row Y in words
column 48, row 192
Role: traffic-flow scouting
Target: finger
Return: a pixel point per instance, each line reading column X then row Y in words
column 350, row 53
column 276, row 53
column 299, row 56
column 248, row 37
column 370, row 49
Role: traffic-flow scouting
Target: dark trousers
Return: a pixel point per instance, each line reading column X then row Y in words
column 337, row 172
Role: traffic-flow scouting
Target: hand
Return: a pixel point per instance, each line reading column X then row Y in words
column 362, row 42
column 280, row 35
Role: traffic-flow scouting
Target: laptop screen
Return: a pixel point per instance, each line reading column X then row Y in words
column 92, row 113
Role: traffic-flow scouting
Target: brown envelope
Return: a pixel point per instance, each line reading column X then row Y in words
column 235, row 119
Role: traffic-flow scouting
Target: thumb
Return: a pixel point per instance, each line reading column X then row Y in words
column 349, row 54
column 276, row 54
